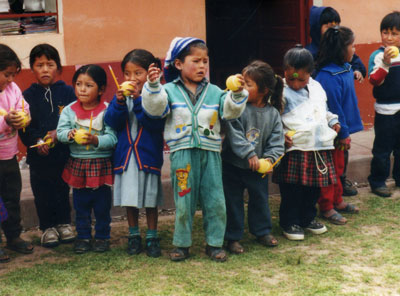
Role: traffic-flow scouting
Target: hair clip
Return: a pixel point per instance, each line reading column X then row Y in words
column 336, row 29
column 295, row 75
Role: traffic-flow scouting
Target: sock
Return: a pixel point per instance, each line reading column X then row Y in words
column 133, row 231
column 151, row 233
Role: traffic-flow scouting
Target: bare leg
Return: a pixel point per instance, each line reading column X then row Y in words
column 152, row 218
column 133, row 216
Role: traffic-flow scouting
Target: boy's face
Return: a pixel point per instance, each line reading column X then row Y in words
column 325, row 27
column 7, row 76
column 195, row 66
column 45, row 70
column 390, row 37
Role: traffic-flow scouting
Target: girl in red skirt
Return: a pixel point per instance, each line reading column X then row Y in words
column 89, row 170
column 307, row 165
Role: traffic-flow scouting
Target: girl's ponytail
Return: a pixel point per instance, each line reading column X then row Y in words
column 277, row 92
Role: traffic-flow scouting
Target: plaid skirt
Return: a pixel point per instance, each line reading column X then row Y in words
column 307, row 168
column 3, row 211
column 88, row 173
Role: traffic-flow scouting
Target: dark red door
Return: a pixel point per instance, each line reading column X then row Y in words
column 241, row 31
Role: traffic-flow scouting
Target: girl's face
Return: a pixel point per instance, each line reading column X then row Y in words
column 194, row 67
column 87, row 91
column 256, row 98
column 45, row 70
column 296, row 79
column 350, row 50
column 136, row 74
column 7, row 76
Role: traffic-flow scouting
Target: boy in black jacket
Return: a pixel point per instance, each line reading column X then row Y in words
column 46, row 99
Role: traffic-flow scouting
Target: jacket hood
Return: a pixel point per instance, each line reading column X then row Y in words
column 315, row 27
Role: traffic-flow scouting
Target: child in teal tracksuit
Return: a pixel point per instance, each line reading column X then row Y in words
column 193, row 108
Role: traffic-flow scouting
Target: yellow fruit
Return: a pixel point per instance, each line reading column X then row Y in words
column 265, row 166
column 80, row 136
column 24, row 116
column 233, row 83
column 127, row 87
column 394, row 51
column 3, row 112
column 290, row 133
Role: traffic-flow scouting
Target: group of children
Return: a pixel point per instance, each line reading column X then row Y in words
column 300, row 126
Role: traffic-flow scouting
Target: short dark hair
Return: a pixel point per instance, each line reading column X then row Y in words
column 332, row 48
column 188, row 50
column 390, row 21
column 96, row 72
column 140, row 57
column 329, row 15
column 8, row 58
column 46, row 50
column 299, row 58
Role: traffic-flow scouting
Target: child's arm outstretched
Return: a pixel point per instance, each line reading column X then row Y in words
column 154, row 97
column 234, row 102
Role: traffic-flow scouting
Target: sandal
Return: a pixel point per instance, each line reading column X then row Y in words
column 335, row 218
column 349, row 208
column 216, row 253
column 4, row 257
column 267, row 240
column 234, row 247
column 179, row 254
column 19, row 245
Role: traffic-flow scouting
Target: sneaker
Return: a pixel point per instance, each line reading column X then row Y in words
column 50, row 238
column 66, row 233
column 294, row 232
column 101, row 245
column 82, row 246
column 316, row 228
column 382, row 191
column 134, row 245
column 349, row 189
column 153, row 248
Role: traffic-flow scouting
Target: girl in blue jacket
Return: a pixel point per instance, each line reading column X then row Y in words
column 139, row 153
column 335, row 75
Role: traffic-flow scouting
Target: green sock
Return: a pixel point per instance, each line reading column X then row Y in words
column 133, row 231
column 151, row 233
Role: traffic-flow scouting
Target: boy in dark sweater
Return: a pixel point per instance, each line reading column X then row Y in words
column 384, row 75
column 46, row 162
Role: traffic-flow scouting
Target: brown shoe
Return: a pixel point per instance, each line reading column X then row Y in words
column 19, row 245
column 267, row 240
column 216, row 253
column 234, row 247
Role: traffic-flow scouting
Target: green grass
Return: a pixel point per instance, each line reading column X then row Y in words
column 360, row 258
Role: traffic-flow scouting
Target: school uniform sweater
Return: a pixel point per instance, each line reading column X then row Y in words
column 74, row 116
column 385, row 80
column 148, row 145
column 10, row 99
column 257, row 132
column 46, row 105
column 189, row 126
column 338, row 83
column 306, row 113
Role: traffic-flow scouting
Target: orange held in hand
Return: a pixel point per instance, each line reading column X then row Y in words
column 394, row 51
column 24, row 118
column 233, row 83
column 80, row 136
column 265, row 166
column 127, row 87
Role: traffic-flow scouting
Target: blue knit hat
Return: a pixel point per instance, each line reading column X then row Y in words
column 178, row 44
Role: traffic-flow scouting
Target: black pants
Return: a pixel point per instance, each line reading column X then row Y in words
column 51, row 195
column 297, row 204
column 10, row 191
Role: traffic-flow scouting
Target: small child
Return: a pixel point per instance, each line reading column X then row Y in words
column 89, row 169
column 46, row 100
column 11, row 102
column 335, row 75
column 307, row 165
column 193, row 108
column 256, row 134
column 383, row 68
column 139, row 154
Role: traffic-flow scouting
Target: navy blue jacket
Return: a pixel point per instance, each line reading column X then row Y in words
column 148, row 145
column 45, row 105
column 338, row 84
column 315, row 33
